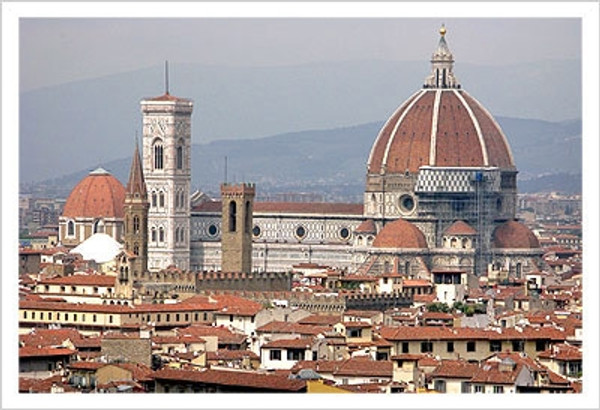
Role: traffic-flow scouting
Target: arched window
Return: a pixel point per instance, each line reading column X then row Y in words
column 177, row 198
column 154, row 199
column 161, row 234
column 454, row 243
column 182, row 199
column 247, row 218
column 71, row 228
column 136, row 224
column 153, row 235
column 158, row 155
column 177, row 234
column 407, row 268
column 136, row 249
column 519, row 270
column 179, row 157
column 232, row 215
column 161, row 199
column 465, row 243
column 98, row 226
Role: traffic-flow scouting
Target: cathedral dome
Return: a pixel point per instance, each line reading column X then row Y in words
column 98, row 195
column 513, row 234
column 441, row 125
column 400, row 234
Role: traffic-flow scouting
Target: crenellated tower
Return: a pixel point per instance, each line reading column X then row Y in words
column 236, row 238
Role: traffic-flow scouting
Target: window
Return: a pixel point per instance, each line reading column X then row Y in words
column 25, row 315
column 161, row 234
column 49, row 315
column 75, row 317
column 471, row 346
column 426, row 347
column 231, row 318
column 58, row 316
column 98, row 226
column 177, row 317
column 153, row 235
column 110, row 319
column 450, row 347
column 495, row 346
column 405, row 347
column 161, row 199
column 248, row 218
column 196, row 316
column 66, row 316
column 187, row 317
column 540, row 345
column 275, row 354
column 205, row 316
column 478, row 388
column 465, row 387
column 179, row 157
column 71, row 228
column 168, row 317
column 136, row 224
column 354, row 332
column 295, row 354
column 440, row 386
column 154, row 197
column 232, row 215
column 136, row 249
column 158, row 156
column 498, row 389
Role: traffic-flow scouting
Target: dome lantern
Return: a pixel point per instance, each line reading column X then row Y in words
column 442, row 63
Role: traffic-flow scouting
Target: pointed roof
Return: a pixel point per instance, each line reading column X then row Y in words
column 442, row 63
column 136, row 182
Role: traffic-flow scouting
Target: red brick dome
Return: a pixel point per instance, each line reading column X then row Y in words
column 400, row 234
column 513, row 234
column 439, row 127
column 98, row 195
column 460, row 228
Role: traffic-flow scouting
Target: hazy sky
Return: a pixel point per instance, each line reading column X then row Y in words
column 59, row 50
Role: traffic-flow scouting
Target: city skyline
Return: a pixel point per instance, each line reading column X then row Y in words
column 409, row 206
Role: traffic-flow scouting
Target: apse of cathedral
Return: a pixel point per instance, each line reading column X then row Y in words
column 439, row 200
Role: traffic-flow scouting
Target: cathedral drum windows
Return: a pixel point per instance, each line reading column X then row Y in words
column 256, row 231
column 212, row 230
column 406, row 203
column 344, row 234
column 70, row 228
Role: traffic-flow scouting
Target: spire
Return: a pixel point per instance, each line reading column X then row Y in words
column 136, row 184
column 442, row 63
column 166, row 77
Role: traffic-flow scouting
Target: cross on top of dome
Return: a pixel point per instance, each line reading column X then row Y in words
column 442, row 63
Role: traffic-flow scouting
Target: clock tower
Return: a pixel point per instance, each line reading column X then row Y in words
column 167, row 169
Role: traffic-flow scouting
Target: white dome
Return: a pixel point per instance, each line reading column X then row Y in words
column 99, row 247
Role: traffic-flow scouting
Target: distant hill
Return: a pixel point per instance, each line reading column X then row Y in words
column 73, row 126
column 332, row 161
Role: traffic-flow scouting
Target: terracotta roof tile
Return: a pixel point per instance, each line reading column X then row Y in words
column 81, row 280
column 513, row 234
column 367, row 226
column 233, row 378
column 30, row 351
column 299, row 343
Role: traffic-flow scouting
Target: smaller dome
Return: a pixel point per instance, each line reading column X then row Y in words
column 367, row 226
column 460, row 228
column 512, row 235
column 400, row 234
column 98, row 195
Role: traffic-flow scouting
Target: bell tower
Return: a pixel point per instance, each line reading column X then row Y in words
column 167, row 169
column 136, row 217
column 236, row 238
